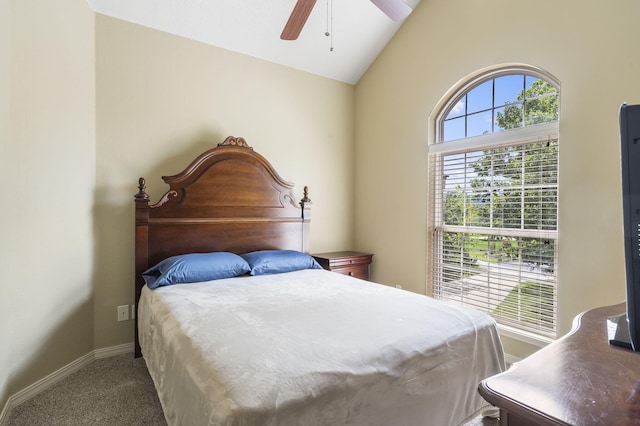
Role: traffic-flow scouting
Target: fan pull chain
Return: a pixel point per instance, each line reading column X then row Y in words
column 329, row 32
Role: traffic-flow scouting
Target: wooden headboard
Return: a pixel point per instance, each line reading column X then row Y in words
column 230, row 198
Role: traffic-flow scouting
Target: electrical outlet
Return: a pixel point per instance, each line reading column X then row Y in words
column 123, row 312
column 133, row 311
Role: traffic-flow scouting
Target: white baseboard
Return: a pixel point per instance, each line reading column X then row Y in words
column 53, row 378
column 125, row 348
column 4, row 415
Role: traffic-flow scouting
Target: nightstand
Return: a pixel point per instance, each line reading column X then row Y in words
column 351, row 263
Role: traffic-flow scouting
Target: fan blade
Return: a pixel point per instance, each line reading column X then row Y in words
column 298, row 18
column 396, row 10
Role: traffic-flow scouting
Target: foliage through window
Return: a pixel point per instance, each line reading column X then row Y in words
column 494, row 198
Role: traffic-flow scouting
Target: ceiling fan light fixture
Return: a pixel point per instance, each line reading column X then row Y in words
column 396, row 10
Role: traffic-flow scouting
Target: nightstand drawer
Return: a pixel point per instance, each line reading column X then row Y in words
column 357, row 271
column 351, row 263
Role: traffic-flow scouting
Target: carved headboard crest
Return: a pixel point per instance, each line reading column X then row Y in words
column 233, row 141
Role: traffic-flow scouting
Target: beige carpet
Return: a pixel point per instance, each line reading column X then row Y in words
column 115, row 391
column 110, row 391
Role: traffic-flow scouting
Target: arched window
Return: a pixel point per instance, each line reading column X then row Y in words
column 494, row 198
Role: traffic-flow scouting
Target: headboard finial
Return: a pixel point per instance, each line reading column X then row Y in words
column 306, row 198
column 141, row 195
column 234, row 141
column 305, row 204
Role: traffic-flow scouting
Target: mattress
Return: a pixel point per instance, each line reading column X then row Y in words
column 313, row 347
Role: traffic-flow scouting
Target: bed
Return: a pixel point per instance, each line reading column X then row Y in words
column 294, row 345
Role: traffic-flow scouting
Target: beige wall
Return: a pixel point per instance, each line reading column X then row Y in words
column 5, row 108
column 162, row 100
column 591, row 47
column 47, row 158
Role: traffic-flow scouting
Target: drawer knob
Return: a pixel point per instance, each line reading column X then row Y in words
column 351, row 273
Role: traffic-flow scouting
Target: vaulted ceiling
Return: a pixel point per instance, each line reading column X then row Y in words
column 358, row 30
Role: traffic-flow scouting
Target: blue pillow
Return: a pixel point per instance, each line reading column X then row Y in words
column 277, row 261
column 195, row 267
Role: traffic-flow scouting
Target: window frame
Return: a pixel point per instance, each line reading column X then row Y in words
column 438, row 148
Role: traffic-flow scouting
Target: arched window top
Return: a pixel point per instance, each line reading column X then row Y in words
column 501, row 100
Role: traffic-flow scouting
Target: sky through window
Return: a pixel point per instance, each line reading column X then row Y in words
column 476, row 112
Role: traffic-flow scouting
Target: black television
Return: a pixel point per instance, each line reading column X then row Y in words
column 626, row 329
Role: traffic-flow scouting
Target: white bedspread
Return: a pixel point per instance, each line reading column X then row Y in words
column 313, row 347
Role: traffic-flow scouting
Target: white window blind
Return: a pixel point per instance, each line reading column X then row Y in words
column 494, row 243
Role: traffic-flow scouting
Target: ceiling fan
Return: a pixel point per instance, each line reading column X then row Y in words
column 396, row 10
